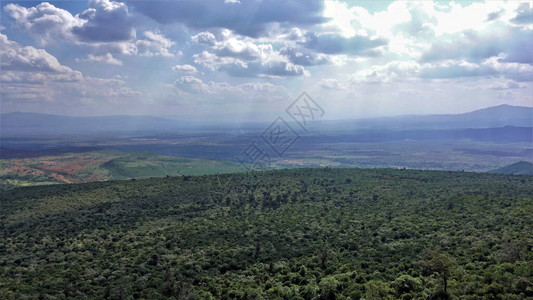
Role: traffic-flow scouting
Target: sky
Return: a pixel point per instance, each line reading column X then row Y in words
column 249, row 60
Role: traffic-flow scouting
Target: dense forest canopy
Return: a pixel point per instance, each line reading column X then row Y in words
column 288, row 234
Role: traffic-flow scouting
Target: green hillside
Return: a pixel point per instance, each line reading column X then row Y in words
column 102, row 165
column 519, row 168
column 149, row 164
column 287, row 234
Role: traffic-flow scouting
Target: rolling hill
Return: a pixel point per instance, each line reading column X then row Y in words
column 102, row 165
column 519, row 168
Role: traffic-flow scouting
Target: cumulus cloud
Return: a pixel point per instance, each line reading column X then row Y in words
column 255, row 90
column 274, row 66
column 426, row 41
column 490, row 67
column 335, row 44
column 194, row 85
column 241, row 57
column 36, row 88
column 31, row 74
column 205, row 37
column 513, row 43
column 408, row 43
column 213, row 62
column 44, row 22
column 245, row 50
column 105, row 27
column 331, row 84
column 508, row 85
column 304, row 57
column 185, row 69
column 154, row 44
column 454, row 69
column 16, row 58
column 103, row 21
column 250, row 18
column 104, row 90
column 495, row 15
column 390, row 72
column 104, row 59
column 524, row 14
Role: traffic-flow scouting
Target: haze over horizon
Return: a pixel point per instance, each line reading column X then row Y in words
column 248, row 60
column 500, row 109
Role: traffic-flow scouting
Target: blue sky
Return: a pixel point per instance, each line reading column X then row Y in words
column 246, row 60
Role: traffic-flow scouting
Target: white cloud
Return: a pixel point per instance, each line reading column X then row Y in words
column 194, row 85
column 15, row 58
column 185, row 69
column 251, row 18
column 105, row 27
column 204, row 37
column 213, row 62
column 331, row 84
column 492, row 67
column 524, row 14
column 341, row 18
column 304, row 57
column 346, row 48
column 104, row 59
column 155, row 44
column 507, row 85
column 31, row 74
column 252, row 90
column 241, row 57
column 390, row 72
column 233, row 47
column 104, row 21
column 44, row 22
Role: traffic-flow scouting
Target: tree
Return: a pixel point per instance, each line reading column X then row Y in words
column 324, row 255
column 377, row 290
column 406, row 284
column 440, row 263
column 328, row 286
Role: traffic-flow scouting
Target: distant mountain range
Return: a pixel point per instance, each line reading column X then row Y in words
column 490, row 117
column 22, row 124
column 519, row 168
column 19, row 123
